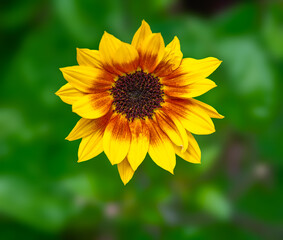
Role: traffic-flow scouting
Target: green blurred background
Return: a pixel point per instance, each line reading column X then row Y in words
column 236, row 193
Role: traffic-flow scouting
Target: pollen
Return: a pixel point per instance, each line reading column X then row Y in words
column 137, row 95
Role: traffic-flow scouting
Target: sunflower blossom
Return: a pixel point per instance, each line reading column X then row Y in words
column 138, row 98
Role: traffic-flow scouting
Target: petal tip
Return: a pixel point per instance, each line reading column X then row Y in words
column 144, row 23
column 81, row 159
column 134, row 167
column 73, row 108
column 176, row 39
column 68, row 138
column 78, row 51
column 211, row 129
column 125, row 182
column 110, row 159
column 211, row 85
column 171, row 170
column 105, row 33
column 214, row 60
column 218, row 61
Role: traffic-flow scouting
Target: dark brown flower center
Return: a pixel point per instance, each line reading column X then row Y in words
column 137, row 95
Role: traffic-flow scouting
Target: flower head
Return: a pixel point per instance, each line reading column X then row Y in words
column 138, row 98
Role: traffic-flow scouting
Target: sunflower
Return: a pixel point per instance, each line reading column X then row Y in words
column 138, row 98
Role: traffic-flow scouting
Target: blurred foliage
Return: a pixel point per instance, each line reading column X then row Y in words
column 235, row 193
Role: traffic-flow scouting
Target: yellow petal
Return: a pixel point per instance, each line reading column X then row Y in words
column 69, row 94
column 151, row 52
column 126, row 58
column 192, row 153
column 108, row 47
column 83, row 128
column 171, row 60
column 93, row 106
column 86, row 79
column 181, row 130
column 193, row 118
column 207, row 108
column 90, row 146
column 191, row 70
column 192, row 90
column 141, row 34
column 139, row 143
column 117, row 139
column 168, row 127
column 87, row 57
column 125, row 171
column 160, row 149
